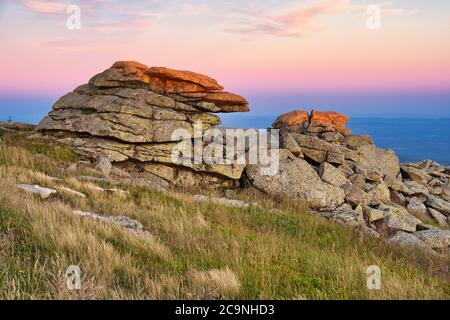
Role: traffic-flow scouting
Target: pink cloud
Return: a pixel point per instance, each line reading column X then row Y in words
column 294, row 21
column 302, row 20
column 45, row 6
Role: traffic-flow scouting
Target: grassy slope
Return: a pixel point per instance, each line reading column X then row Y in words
column 195, row 251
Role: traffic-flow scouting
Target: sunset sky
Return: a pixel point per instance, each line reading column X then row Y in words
column 279, row 54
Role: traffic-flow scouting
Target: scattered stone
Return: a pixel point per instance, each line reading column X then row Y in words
column 374, row 214
column 126, row 222
column 397, row 198
column 435, row 238
column 332, row 137
column 298, row 180
column 385, row 162
column 399, row 219
column 225, row 202
column 416, row 175
column 418, row 209
column 379, row 194
column 355, row 196
column 288, row 142
column 335, row 158
column 112, row 191
column 332, row 175
column 43, row 192
column 347, row 216
column 355, row 141
column 409, row 240
column 358, row 180
column 397, row 185
column 439, row 217
column 439, row 204
column 374, row 176
column 416, row 188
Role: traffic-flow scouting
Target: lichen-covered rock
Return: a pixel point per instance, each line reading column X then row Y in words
column 43, row 192
column 131, row 112
column 289, row 143
column 399, row 219
column 298, row 119
column 397, row 198
column 410, row 240
column 439, row 217
column 355, row 141
column 397, row 185
column 298, row 180
column 328, row 122
column 439, row 204
column 355, row 195
column 416, row 175
column 379, row 194
column 418, row 209
column 346, row 215
column 332, row 175
column 373, row 214
column 383, row 161
column 435, row 238
column 416, row 188
column 188, row 76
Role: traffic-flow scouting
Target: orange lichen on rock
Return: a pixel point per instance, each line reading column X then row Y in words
column 200, row 92
column 182, row 75
column 223, row 97
column 291, row 119
column 130, row 66
column 330, row 120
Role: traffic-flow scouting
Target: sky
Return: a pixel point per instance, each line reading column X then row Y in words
column 361, row 57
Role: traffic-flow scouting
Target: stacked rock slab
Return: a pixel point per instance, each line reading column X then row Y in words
column 346, row 178
column 129, row 113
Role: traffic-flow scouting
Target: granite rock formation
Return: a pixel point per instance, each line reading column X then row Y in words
column 129, row 113
column 366, row 186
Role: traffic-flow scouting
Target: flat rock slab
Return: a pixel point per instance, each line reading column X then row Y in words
column 126, row 222
column 225, row 202
column 411, row 241
column 43, row 192
column 435, row 238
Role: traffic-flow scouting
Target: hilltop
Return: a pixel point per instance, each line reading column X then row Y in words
column 97, row 184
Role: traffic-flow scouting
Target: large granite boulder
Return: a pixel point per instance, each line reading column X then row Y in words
column 131, row 112
column 297, row 180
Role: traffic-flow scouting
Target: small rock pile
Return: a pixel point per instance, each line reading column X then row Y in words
column 346, row 178
column 129, row 113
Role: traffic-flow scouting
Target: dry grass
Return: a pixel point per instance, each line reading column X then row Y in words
column 195, row 250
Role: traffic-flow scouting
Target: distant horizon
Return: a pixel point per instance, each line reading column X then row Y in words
column 32, row 109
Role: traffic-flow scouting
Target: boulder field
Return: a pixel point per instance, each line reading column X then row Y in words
column 128, row 115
